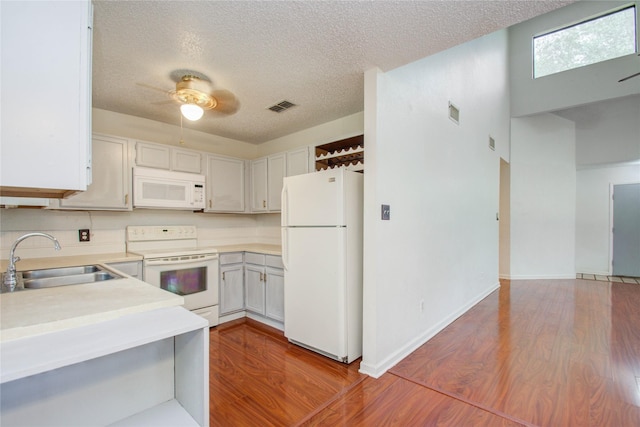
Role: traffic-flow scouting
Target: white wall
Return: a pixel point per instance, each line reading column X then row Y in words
column 608, row 131
column 108, row 229
column 543, row 197
column 149, row 130
column 593, row 214
column 569, row 88
column 442, row 182
column 607, row 152
column 335, row 130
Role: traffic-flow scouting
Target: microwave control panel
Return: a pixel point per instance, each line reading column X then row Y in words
column 198, row 195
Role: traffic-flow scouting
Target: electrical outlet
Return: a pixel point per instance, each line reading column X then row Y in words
column 84, row 235
column 386, row 212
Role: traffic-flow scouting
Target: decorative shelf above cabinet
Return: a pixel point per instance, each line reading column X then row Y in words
column 347, row 153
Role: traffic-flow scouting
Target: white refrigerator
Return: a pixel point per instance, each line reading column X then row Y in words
column 322, row 257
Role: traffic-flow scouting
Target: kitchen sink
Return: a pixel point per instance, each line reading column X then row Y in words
column 51, row 277
column 62, row 271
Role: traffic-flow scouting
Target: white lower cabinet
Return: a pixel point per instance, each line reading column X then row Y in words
column 274, row 291
column 231, row 283
column 255, row 286
column 141, row 369
column 264, row 285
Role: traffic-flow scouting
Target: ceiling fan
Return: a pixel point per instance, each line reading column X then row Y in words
column 629, row 77
column 194, row 95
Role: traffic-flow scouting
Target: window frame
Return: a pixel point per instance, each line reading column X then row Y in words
column 636, row 38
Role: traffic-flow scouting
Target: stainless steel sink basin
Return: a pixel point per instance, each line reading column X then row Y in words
column 56, row 272
column 36, row 279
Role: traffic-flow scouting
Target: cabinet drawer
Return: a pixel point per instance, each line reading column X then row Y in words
column 252, row 258
column 274, row 261
column 231, row 258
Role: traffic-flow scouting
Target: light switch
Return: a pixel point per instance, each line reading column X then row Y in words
column 386, row 212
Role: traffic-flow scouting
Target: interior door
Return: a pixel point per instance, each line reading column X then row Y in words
column 626, row 230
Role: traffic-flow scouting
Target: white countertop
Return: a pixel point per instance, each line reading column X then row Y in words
column 33, row 312
column 260, row 248
column 70, row 261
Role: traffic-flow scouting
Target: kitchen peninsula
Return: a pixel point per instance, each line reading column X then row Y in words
column 120, row 352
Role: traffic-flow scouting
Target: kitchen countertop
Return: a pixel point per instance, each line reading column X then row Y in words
column 33, row 312
column 252, row 247
column 74, row 260
column 70, row 261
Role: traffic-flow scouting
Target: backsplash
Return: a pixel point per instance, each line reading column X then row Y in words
column 108, row 229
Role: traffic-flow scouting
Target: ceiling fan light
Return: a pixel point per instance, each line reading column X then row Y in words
column 191, row 112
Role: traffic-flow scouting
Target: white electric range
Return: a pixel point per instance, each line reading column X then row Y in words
column 173, row 261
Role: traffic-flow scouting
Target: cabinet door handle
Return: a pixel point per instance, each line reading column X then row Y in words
column 209, row 203
column 265, row 277
column 264, row 203
column 223, row 275
column 126, row 199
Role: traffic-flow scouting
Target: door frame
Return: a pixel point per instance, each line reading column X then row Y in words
column 611, row 185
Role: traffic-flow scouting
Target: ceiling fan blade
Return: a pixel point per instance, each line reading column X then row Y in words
column 227, row 103
column 629, row 77
column 169, row 101
column 153, row 87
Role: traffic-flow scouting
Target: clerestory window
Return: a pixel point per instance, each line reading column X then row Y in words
column 607, row 36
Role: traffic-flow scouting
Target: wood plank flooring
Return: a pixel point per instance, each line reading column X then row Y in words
column 533, row 353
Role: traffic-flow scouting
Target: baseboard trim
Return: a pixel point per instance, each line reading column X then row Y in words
column 541, row 276
column 377, row 370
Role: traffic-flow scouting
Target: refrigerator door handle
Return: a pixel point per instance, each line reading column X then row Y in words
column 284, row 197
column 285, row 249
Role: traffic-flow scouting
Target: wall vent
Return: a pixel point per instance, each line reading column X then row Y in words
column 492, row 143
column 454, row 113
column 281, row 106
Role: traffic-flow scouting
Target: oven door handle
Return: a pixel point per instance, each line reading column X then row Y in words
column 180, row 261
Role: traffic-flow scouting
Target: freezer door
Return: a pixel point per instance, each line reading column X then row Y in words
column 314, row 199
column 315, row 289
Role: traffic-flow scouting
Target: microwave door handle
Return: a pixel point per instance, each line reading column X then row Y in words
column 180, row 261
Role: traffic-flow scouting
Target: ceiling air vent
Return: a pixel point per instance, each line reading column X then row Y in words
column 281, row 106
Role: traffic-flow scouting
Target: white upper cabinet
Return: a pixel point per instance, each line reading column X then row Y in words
column 267, row 174
column 160, row 156
column 186, row 160
column 46, row 98
column 153, row 155
column 225, row 184
column 111, row 186
column 298, row 161
column 259, row 185
column 276, row 171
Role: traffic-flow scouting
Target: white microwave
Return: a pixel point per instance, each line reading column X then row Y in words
column 163, row 189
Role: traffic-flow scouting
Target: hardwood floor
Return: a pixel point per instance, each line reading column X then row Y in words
column 534, row 353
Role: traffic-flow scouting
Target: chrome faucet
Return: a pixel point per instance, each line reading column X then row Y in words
column 10, row 281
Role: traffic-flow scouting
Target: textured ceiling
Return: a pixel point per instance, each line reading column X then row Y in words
column 312, row 53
